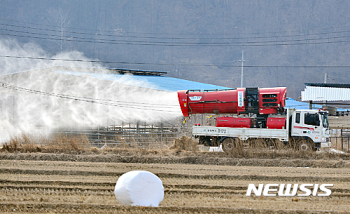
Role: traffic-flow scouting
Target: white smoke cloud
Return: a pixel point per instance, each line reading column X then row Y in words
column 34, row 101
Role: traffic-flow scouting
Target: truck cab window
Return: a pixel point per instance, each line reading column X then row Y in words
column 297, row 118
column 325, row 121
column 312, row 119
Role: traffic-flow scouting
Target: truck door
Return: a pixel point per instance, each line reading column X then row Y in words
column 313, row 122
column 307, row 124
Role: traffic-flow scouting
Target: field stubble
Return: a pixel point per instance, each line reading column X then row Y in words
column 67, row 178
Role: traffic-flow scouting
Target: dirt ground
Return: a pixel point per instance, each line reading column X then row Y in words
column 194, row 182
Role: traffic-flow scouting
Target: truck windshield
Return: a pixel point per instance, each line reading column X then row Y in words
column 325, row 120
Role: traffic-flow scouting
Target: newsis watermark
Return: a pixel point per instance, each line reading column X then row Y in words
column 285, row 190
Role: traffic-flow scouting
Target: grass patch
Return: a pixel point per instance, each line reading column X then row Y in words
column 53, row 144
column 183, row 147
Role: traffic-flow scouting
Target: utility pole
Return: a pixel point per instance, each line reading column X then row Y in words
column 242, row 60
column 325, row 81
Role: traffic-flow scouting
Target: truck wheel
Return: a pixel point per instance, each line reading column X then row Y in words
column 301, row 144
column 304, row 147
column 230, row 143
column 307, row 145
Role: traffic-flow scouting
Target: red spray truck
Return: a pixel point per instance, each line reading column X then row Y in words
column 258, row 113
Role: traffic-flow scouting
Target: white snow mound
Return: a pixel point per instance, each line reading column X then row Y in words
column 336, row 151
column 216, row 149
column 139, row 188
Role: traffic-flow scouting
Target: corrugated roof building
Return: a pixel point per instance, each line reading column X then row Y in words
column 326, row 92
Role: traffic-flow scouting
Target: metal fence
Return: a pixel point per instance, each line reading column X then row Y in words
column 128, row 135
column 341, row 143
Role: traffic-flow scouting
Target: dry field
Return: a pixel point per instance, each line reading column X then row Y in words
column 82, row 181
column 87, row 187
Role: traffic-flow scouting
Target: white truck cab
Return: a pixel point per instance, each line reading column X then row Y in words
column 311, row 124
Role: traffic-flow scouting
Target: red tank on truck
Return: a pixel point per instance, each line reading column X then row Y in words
column 256, row 115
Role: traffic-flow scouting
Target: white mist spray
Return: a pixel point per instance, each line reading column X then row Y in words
column 41, row 95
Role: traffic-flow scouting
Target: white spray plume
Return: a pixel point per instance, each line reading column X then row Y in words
column 41, row 95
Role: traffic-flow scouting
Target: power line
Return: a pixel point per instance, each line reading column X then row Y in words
column 193, row 44
column 158, row 33
column 173, row 38
column 171, row 64
column 307, row 41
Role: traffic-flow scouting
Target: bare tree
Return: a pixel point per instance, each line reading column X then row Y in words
column 59, row 18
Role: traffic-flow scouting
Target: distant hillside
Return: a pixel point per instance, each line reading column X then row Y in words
column 195, row 40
